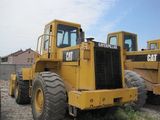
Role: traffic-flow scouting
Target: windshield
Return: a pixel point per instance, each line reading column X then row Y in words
column 130, row 43
column 66, row 36
column 153, row 46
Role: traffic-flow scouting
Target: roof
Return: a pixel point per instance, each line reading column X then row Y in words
column 29, row 49
column 16, row 53
column 19, row 52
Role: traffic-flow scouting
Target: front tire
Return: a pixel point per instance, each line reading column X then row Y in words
column 133, row 79
column 49, row 99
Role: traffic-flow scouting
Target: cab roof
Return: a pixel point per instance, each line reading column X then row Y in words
column 122, row 32
column 64, row 22
column 157, row 40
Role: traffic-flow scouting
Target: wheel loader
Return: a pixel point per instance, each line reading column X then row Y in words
column 146, row 62
column 72, row 74
column 153, row 44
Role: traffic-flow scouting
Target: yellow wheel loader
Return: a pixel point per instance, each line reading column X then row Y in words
column 153, row 44
column 70, row 75
column 146, row 63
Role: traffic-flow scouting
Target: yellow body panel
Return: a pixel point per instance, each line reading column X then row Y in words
column 101, row 98
column 87, row 70
column 143, row 52
column 12, row 83
column 149, row 70
column 27, row 73
column 156, row 89
column 80, row 74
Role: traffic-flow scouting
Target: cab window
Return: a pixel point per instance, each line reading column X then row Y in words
column 130, row 43
column 46, row 38
column 153, row 46
column 113, row 40
column 66, row 36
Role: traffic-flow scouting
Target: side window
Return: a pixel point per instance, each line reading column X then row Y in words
column 46, row 44
column 153, row 46
column 130, row 43
column 113, row 40
column 59, row 37
column 46, row 38
column 66, row 36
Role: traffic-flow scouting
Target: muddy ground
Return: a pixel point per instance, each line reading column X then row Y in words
column 12, row 111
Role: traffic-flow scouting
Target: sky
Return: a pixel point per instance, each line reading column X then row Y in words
column 22, row 21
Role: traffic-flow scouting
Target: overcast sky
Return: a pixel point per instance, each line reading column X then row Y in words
column 22, row 21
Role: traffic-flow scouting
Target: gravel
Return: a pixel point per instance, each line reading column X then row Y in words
column 152, row 111
column 10, row 110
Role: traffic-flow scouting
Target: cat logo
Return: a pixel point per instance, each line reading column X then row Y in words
column 69, row 56
column 152, row 57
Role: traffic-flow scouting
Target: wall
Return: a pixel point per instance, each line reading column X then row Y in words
column 7, row 69
column 26, row 57
column 11, row 59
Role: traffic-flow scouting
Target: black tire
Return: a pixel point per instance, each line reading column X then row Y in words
column 22, row 87
column 54, row 96
column 132, row 79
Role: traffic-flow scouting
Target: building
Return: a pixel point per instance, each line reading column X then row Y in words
column 20, row 57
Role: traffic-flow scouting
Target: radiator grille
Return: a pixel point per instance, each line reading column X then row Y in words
column 107, row 68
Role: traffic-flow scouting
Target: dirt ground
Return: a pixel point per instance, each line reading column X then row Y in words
column 9, row 109
column 12, row 111
column 152, row 110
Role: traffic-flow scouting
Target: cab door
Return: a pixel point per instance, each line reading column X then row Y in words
column 68, row 52
column 46, row 42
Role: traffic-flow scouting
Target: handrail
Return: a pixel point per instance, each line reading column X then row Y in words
column 39, row 42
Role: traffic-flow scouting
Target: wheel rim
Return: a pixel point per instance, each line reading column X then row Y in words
column 39, row 100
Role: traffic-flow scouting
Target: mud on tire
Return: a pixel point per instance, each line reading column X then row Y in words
column 133, row 79
column 21, row 91
column 54, row 97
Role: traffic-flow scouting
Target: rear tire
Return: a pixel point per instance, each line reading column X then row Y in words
column 21, row 91
column 53, row 97
column 133, row 79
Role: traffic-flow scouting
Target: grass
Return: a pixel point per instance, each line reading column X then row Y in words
column 116, row 113
column 130, row 114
